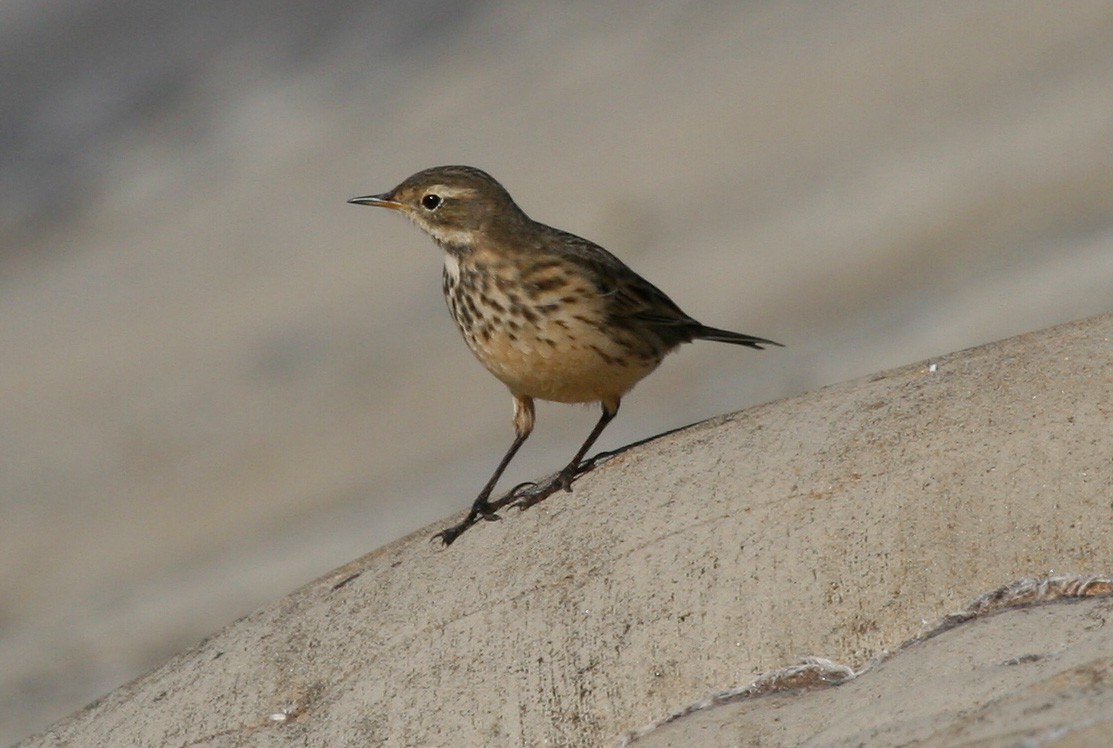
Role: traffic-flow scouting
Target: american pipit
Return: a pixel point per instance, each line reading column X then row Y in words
column 553, row 316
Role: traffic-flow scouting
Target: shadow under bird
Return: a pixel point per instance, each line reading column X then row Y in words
column 551, row 315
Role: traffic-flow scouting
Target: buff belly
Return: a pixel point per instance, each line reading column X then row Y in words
column 568, row 370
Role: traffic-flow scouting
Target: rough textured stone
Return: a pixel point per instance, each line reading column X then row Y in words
column 830, row 524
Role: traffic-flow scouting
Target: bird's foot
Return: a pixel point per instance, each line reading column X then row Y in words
column 562, row 481
column 481, row 509
column 520, row 490
column 448, row 535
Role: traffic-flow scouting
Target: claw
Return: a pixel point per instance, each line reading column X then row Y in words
column 448, row 535
column 514, row 491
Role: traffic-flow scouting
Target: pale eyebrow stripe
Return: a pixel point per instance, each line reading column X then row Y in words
column 445, row 190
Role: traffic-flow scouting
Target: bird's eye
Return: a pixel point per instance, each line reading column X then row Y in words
column 431, row 201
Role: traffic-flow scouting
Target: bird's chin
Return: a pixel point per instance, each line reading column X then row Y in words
column 450, row 240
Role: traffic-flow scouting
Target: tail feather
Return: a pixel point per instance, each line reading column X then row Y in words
column 726, row 336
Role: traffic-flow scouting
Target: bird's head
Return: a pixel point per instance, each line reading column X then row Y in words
column 455, row 205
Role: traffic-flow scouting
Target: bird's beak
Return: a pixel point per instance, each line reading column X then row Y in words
column 381, row 201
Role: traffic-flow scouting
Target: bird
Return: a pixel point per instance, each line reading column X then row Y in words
column 552, row 315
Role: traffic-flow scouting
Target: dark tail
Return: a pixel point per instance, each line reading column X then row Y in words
column 737, row 338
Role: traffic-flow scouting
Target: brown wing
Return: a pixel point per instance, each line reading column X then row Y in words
column 634, row 301
column 631, row 299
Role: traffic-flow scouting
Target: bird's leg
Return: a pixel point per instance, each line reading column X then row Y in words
column 481, row 507
column 571, row 471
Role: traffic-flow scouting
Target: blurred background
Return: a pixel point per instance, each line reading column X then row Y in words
column 220, row 381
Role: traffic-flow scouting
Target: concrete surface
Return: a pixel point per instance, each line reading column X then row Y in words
column 1031, row 670
column 219, row 381
column 837, row 523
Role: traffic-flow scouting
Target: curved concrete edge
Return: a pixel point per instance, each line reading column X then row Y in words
column 831, row 522
column 1057, row 659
